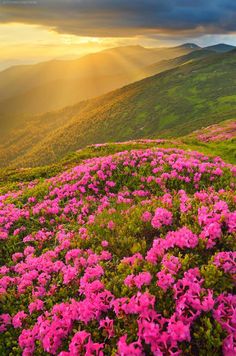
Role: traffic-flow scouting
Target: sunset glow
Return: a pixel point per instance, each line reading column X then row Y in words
column 25, row 43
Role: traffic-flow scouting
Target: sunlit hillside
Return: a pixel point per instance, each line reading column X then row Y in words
column 172, row 103
column 114, row 242
column 34, row 89
column 117, row 178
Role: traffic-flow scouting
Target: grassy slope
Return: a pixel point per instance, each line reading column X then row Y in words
column 35, row 89
column 164, row 65
column 216, row 140
column 173, row 103
column 130, row 236
column 61, row 92
column 11, row 177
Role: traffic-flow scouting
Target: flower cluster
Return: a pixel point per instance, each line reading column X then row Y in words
column 111, row 256
column 216, row 133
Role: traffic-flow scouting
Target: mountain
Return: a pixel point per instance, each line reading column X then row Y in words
column 110, row 62
column 220, row 48
column 59, row 93
column 172, row 63
column 191, row 46
column 36, row 89
column 172, row 103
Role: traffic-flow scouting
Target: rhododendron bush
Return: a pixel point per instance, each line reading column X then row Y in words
column 217, row 133
column 130, row 254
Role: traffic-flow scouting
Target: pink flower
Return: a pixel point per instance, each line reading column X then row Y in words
column 5, row 320
column 143, row 278
column 93, row 348
column 171, row 263
column 167, row 199
column 133, row 259
column 161, row 217
column 179, row 331
column 107, row 324
column 69, row 274
column 229, row 346
column 208, row 302
column 3, row 235
column 78, row 342
column 18, row 319
column 231, row 222
column 60, row 265
column 182, row 238
column 27, row 342
column 165, row 280
column 211, row 232
column 111, row 225
column 226, row 261
column 110, row 183
column 104, row 243
column 37, row 305
column 16, row 256
column 146, row 216
column 129, row 281
column 134, row 348
column 28, row 250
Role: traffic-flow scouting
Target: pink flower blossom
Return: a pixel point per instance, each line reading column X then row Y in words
column 164, row 280
column 18, row 319
column 161, row 217
column 146, row 216
column 108, row 325
column 134, row 348
column 179, row 331
column 37, row 305
column 143, row 278
column 111, row 225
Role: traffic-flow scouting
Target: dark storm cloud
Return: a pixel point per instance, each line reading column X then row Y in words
column 124, row 17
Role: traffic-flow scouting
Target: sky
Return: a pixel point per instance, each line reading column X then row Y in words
column 38, row 30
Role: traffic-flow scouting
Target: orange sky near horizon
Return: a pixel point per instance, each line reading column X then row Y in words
column 22, row 43
column 25, row 43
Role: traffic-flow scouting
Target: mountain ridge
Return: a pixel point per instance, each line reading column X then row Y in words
column 220, row 47
column 52, row 85
column 170, row 104
column 60, row 93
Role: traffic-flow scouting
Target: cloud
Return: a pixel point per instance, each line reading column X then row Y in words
column 102, row 18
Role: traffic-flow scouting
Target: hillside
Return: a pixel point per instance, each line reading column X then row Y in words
column 164, row 65
column 112, row 61
column 220, row 48
column 131, row 253
column 34, row 89
column 172, row 103
column 224, row 131
column 60, row 93
column 217, row 140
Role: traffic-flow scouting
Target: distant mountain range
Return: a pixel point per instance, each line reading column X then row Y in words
column 43, row 87
column 193, row 91
column 70, row 81
column 220, row 48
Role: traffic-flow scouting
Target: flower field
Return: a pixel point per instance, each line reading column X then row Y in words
column 217, row 133
column 128, row 254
